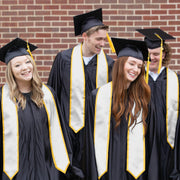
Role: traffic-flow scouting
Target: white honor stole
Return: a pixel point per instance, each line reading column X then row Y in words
column 172, row 105
column 11, row 133
column 77, row 85
column 135, row 137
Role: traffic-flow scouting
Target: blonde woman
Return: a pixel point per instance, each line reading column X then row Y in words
column 33, row 141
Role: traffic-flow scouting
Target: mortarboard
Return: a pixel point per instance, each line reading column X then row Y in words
column 133, row 48
column 153, row 37
column 83, row 22
column 16, row 47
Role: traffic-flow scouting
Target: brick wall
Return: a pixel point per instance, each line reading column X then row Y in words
column 48, row 24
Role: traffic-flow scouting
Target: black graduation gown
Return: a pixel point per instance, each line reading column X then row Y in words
column 158, row 90
column 118, row 148
column 176, row 170
column 35, row 158
column 59, row 79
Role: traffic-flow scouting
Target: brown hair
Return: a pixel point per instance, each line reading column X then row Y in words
column 15, row 94
column 168, row 52
column 124, row 99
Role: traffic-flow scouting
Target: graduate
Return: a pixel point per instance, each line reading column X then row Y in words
column 77, row 71
column 175, row 175
column 121, row 138
column 34, row 143
column 164, row 85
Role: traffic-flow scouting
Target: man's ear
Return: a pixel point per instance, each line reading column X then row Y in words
column 84, row 35
column 163, row 55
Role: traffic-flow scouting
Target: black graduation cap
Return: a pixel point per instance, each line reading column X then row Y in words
column 16, row 47
column 152, row 39
column 83, row 22
column 133, row 48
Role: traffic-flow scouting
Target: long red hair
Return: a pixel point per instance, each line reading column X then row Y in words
column 123, row 99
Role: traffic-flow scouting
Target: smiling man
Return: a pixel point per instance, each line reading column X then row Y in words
column 79, row 70
column 164, row 85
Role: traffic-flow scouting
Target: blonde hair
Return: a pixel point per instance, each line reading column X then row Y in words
column 36, row 83
column 95, row 29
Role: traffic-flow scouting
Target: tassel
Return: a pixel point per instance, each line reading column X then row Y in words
column 147, row 70
column 28, row 50
column 110, row 43
column 160, row 61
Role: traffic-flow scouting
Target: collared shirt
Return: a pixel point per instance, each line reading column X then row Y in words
column 155, row 75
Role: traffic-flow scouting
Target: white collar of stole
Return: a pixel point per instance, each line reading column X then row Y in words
column 11, row 133
column 135, row 137
column 77, row 85
column 172, row 105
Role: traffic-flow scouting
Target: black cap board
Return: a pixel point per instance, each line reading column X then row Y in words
column 17, row 47
column 83, row 22
column 151, row 38
column 133, row 48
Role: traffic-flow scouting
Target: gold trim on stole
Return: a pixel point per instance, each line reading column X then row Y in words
column 10, row 134
column 77, row 85
column 172, row 105
column 102, row 118
column 57, row 142
column 136, row 149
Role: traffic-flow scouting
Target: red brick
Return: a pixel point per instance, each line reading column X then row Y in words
column 126, row 1
column 43, row 1
column 59, row 12
column 159, row 23
column 134, row 6
column 151, row 6
column 18, row 18
column 26, row 1
column 150, row 18
column 76, row 1
column 51, row 18
column 26, row 13
column 134, row 18
column 9, row 24
column 138, row 12
column 59, row 1
column 14, row 2
column 174, row 23
column 142, row 23
column 168, row 6
column 159, row 12
column 3, row 8
column 17, row 8
column 167, row 17
column 174, row 12
column 51, row 7
column 159, row 1
column 92, row 1
column 9, row 13
column 142, row 1
column 125, row 23
column 34, row 7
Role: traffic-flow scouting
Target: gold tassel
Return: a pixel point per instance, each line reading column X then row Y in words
column 110, row 43
column 147, row 70
column 29, row 51
column 160, row 61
